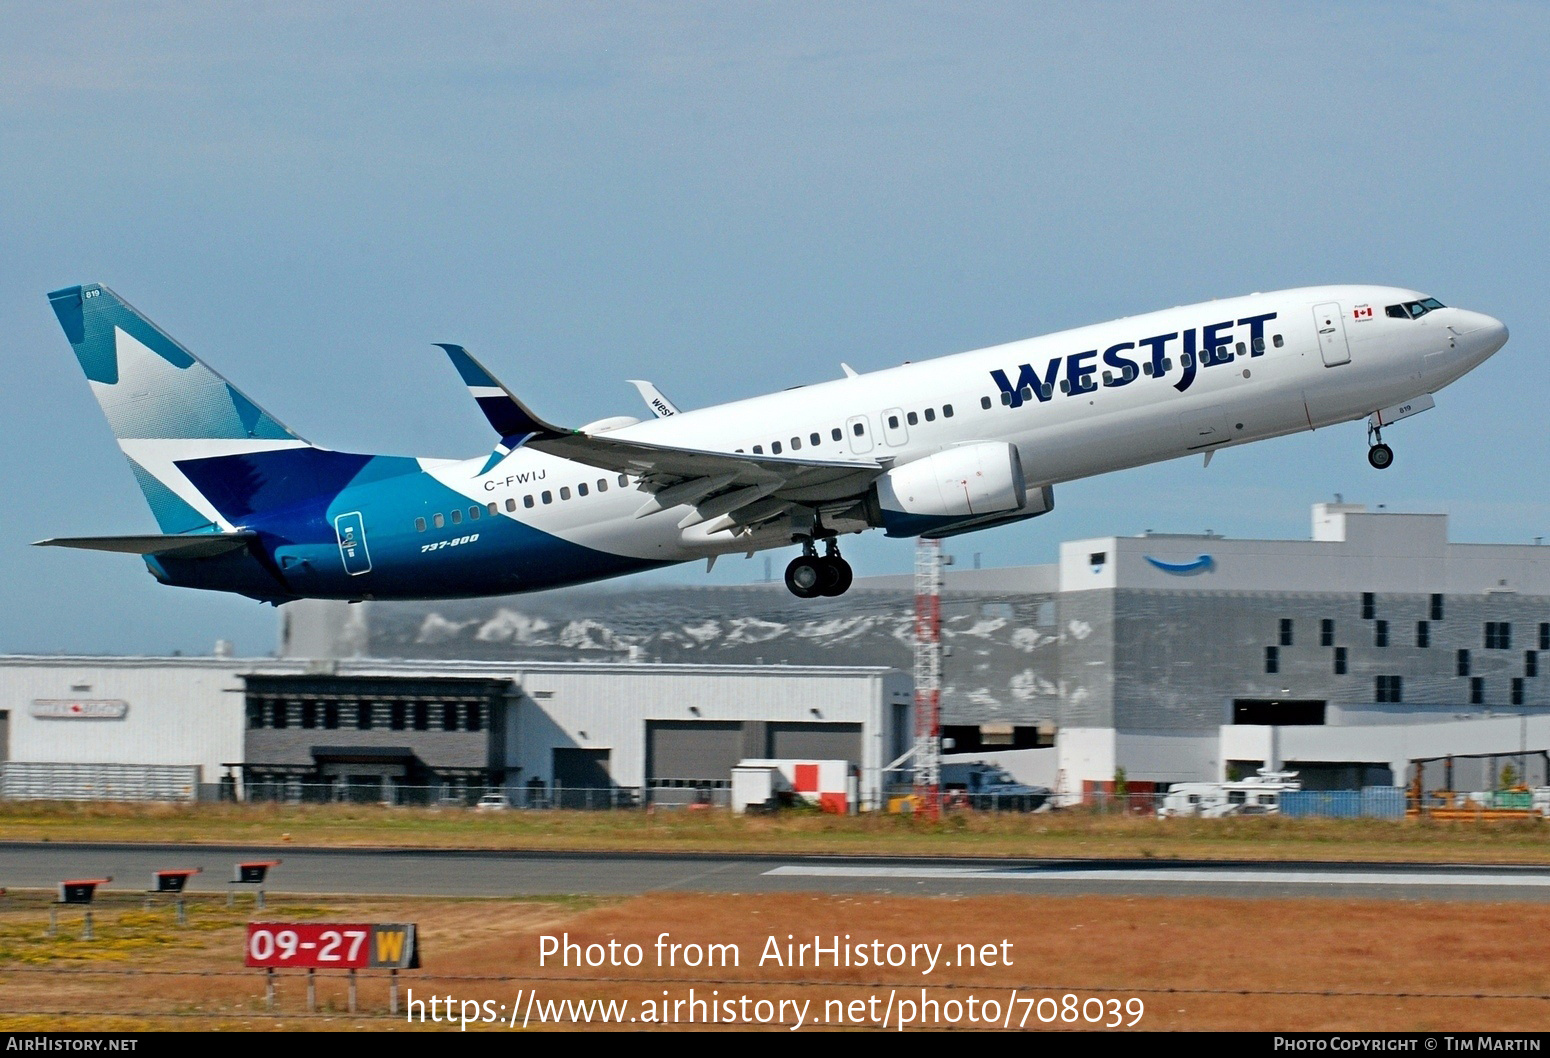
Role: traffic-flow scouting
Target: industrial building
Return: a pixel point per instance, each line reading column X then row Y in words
column 174, row 728
column 1371, row 648
column 1348, row 655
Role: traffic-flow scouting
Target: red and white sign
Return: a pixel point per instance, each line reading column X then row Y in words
column 332, row 945
column 1362, row 312
column 79, row 709
column 317, row 945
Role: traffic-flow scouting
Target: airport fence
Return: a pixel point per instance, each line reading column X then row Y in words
column 538, row 798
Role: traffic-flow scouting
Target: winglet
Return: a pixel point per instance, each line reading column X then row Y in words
column 660, row 406
column 511, row 418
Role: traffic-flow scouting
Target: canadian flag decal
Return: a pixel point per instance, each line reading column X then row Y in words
column 1362, row 312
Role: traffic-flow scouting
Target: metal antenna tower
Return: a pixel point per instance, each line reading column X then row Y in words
column 928, row 678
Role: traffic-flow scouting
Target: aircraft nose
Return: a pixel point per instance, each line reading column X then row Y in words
column 1483, row 334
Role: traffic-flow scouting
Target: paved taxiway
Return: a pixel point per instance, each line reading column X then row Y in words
column 430, row 872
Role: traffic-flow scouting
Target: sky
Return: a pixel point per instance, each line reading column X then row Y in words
column 730, row 199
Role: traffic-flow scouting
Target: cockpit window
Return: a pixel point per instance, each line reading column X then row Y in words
column 1413, row 310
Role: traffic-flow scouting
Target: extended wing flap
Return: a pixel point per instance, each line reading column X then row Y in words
column 192, row 545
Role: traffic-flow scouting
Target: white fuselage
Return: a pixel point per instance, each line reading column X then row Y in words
column 1082, row 402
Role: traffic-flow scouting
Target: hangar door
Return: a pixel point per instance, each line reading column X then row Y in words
column 815, row 741
column 701, row 751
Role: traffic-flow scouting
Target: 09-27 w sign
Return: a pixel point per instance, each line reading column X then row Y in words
column 332, row 945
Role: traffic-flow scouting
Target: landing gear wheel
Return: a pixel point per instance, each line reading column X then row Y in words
column 806, row 576
column 837, row 576
column 1381, row 456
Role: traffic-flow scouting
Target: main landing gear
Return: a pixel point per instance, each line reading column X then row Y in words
column 1380, row 455
column 811, row 575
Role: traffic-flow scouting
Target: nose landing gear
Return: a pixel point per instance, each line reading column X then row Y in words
column 1380, row 455
column 810, row 575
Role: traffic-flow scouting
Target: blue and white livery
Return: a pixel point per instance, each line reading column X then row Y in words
column 935, row 448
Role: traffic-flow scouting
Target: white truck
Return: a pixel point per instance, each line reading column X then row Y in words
column 1259, row 794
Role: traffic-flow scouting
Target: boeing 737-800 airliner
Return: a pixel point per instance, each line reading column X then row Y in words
column 933, row 449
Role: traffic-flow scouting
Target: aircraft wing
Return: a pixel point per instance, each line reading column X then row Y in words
column 741, row 487
column 187, row 545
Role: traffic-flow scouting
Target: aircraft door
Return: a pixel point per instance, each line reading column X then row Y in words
column 351, row 530
column 859, row 430
column 895, row 433
column 1332, row 340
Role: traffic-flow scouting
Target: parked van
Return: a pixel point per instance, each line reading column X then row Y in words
column 1259, row 794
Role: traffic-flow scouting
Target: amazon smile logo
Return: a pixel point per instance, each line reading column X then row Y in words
column 1203, row 564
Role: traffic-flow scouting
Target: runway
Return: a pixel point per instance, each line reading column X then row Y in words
column 483, row 873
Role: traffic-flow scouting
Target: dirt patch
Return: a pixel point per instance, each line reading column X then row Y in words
column 1158, row 962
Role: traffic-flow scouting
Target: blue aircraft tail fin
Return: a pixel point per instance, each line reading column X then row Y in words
column 164, row 405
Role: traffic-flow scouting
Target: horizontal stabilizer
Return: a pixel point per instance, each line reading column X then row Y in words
column 190, row 545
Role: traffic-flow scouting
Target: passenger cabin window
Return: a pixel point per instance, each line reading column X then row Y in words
column 581, row 490
column 602, row 484
column 931, row 415
column 775, row 448
column 893, row 422
column 493, row 508
column 985, row 403
column 527, row 501
column 457, row 517
column 796, row 444
column 473, row 514
column 858, row 429
column 511, row 503
column 758, row 450
column 419, row 525
column 912, row 419
column 565, row 492
column 438, row 520
column 1279, row 341
column 814, row 439
column 623, row 480
column 836, row 433
column 546, row 496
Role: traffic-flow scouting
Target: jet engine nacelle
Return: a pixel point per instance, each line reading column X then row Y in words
column 967, row 482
